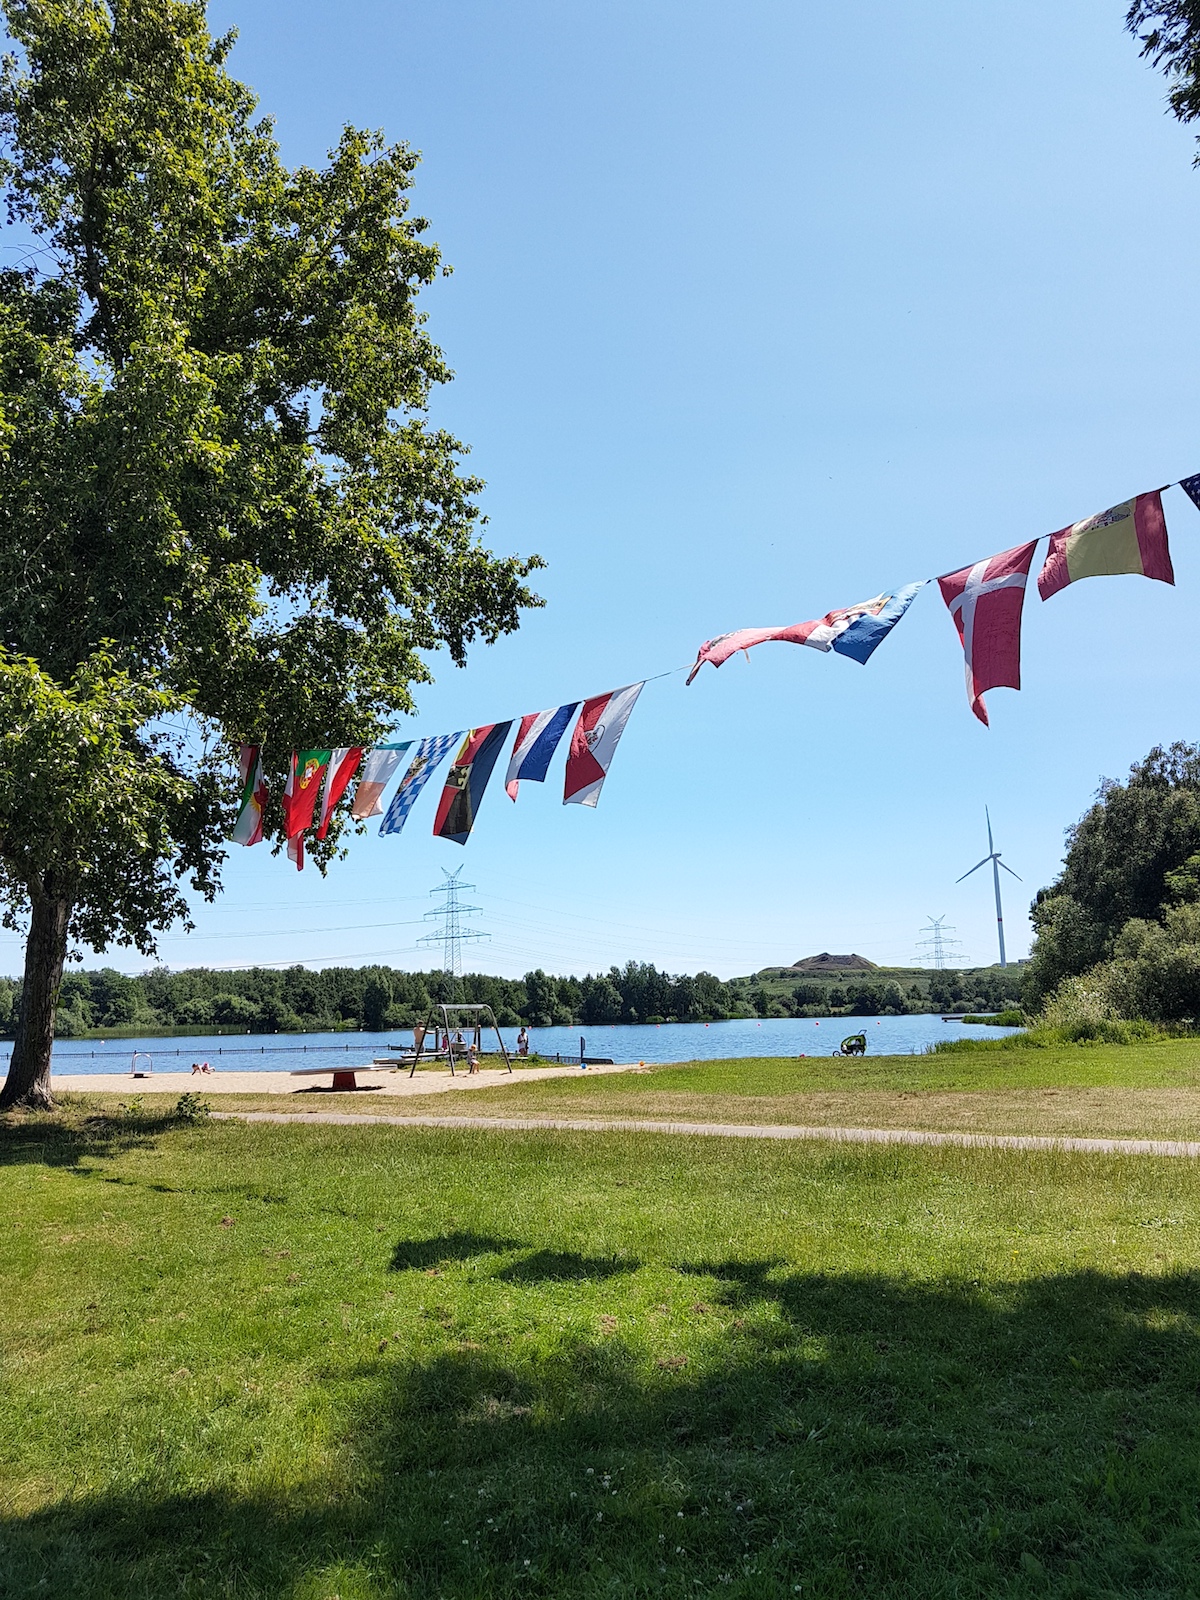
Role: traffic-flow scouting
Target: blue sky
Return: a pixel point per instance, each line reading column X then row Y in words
column 757, row 310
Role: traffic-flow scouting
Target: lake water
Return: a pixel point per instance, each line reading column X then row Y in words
column 664, row 1042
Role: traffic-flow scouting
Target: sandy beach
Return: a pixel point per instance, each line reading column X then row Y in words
column 373, row 1082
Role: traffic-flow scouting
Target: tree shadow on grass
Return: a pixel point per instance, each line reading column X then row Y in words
column 55, row 1141
column 856, row 1435
column 415, row 1255
column 566, row 1266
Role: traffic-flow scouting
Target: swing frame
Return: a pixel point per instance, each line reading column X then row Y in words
column 450, row 1029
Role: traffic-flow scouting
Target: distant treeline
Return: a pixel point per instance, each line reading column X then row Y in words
column 262, row 1000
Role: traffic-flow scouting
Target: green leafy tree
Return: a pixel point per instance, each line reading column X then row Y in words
column 377, row 997
column 1127, row 857
column 226, row 514
column 601, row 1000
column 1169, row 32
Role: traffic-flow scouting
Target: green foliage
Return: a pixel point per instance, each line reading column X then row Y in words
column 1083, row 1031
column 1172, row 42
column 886, row 992
column 91, row 805
column 263, row 1000
column 192, row 1108
column 1129, row 854
column 226, row 514
column 707, row 1366
column 1118, row 933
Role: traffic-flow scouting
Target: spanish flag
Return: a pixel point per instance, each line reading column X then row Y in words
column 1131, row 537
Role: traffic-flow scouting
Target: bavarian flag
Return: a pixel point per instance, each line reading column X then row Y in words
column 466, row 781
column 1131, row 537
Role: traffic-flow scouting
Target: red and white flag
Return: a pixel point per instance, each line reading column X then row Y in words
column 376, row 774
column 343, row 764
column 985, row 601
column 594, row 742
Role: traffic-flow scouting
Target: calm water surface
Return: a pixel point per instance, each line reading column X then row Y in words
column 668, row 1041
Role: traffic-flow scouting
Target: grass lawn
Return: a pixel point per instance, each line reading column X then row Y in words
column 1122, row 1090
column 316, row 1362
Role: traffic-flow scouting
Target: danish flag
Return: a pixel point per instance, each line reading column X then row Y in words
column 985, row 601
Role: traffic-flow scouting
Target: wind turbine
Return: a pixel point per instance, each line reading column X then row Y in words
column 993, row 856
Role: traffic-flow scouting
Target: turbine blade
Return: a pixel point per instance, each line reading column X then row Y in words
column 988, row 815
column 975, row 868
column 1016, row 875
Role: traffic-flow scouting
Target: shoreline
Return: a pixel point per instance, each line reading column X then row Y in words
column 372, row 1080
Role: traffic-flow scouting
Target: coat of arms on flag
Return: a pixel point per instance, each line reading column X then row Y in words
column 1130, row 537
column 594, row 743
column 429, row 756
column 466, row 781
column 300, row 798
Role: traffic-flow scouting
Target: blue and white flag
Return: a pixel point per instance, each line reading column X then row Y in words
column 430, row 755
column 870, row 624
column 537, row 740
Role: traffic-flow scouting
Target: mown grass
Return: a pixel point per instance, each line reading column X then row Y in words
column 1148, row 1090
column 315, row 1362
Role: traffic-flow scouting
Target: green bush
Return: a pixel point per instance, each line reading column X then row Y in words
column 1042, row 1038
column 192, row 1108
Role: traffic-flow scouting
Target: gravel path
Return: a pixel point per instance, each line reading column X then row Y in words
column 742, row 1130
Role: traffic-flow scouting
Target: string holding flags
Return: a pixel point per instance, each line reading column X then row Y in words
column 985, row 600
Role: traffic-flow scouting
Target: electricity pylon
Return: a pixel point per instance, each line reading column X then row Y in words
column 450, row 935
column 938, row 945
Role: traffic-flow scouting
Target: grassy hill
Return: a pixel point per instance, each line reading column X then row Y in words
column 790, row 992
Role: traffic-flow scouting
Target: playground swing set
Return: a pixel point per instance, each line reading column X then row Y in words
column 448, row 1042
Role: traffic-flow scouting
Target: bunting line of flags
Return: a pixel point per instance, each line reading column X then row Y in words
column 985, row 600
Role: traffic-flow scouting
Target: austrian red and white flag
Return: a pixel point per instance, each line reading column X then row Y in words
column 343, row 764
column 985, row 601
column 594, row 742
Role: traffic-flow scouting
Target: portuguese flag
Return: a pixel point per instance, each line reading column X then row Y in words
column 300, row 797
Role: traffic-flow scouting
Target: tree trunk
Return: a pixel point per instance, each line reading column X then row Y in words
column 28, row 1082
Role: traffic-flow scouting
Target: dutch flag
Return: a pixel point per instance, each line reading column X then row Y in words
column 537, row 740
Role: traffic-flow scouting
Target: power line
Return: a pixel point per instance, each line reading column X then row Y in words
column 938, row 945
column 451, row 935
